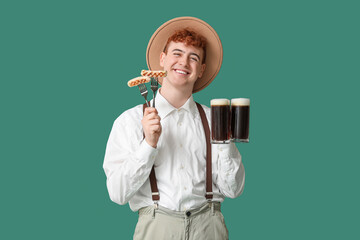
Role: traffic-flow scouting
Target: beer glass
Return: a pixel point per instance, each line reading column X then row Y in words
column 220, row 121
column 240, row 112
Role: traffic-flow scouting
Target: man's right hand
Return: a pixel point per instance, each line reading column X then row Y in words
column 151, row 126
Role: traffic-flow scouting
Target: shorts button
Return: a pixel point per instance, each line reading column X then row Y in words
column 188, row 214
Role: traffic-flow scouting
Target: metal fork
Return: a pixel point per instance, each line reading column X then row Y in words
column 154, row 88
column 144, row 92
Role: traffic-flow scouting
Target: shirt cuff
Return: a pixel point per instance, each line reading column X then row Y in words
column 226, row 150
column 146, row 154
column 227, row 154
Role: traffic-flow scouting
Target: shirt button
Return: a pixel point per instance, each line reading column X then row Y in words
column 185, row 188
column 181, row 145
column 179, row 124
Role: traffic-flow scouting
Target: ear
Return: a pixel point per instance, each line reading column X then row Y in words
column 203, row 66
column 162, row 56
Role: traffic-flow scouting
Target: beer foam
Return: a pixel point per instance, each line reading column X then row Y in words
column 220, row 101
column 240, row 101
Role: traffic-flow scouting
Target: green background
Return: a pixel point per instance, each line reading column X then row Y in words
column 64, row 66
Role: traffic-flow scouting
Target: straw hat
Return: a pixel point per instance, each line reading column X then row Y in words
column 214, row 50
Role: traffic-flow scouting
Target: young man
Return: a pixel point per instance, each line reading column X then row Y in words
column 182, row 201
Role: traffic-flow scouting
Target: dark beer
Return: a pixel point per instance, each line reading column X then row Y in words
column 220, row 121
column 240, row 113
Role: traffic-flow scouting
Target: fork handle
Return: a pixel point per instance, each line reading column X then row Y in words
column 153, row 99
column 147, row 102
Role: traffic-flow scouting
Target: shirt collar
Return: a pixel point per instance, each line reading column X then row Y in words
column 164, row 107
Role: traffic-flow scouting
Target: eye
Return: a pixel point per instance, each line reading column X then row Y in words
column 194, row 59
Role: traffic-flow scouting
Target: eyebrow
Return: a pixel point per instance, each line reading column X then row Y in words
column 192, row 53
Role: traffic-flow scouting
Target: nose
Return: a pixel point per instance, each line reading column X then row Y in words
column 184, row 61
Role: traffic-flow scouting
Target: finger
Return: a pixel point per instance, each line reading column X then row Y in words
column 153, row 122
column 155, row 128
column 152, row 116
column 149, row 110
column 150, row 127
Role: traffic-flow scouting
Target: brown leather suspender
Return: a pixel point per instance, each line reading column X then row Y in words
column 153, row 183
column 209, row 193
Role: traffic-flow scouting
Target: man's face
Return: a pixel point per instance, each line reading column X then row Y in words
column 183, row 64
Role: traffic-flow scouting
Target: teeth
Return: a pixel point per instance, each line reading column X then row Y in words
column 182, row 72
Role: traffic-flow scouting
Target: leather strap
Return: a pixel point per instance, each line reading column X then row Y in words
column 153, row 183
column 209, row 193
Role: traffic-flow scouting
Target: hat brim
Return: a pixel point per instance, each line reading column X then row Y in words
column 214, row 50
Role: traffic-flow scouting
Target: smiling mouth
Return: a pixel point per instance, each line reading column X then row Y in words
column 181, row 71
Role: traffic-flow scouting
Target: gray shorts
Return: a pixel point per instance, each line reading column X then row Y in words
column 205, row 222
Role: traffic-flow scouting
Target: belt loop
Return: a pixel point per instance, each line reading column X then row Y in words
column 212, row 209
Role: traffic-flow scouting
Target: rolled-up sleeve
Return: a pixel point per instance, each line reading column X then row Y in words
column 128, row 158
column 231, row 172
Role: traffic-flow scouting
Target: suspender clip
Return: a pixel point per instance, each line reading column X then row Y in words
column 212, row 207
column 156, row 206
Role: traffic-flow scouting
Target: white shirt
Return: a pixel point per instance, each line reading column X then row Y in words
column 180, row 160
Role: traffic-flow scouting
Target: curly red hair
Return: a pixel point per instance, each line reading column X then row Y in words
column 189, row 38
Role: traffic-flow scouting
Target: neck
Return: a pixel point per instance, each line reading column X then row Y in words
column 175, row 96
